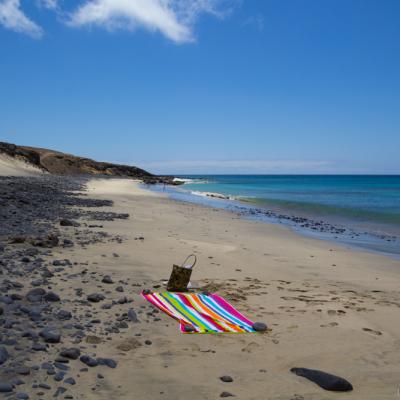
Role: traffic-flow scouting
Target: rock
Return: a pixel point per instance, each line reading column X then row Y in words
column 70, row 381
column 119, row 289
column 226, row 378
column 59, row 376
column 148, row 342
column 89, row 361
column 4, row 356
column 35, row 295
column 188, row 328
column 22, row 396
column 1, row 311
column 73, row 353
column 51, row 296
column 64, row 315
column 23, row 370
column 324, row 380
column 107, row 279
column 6, row 387
column 68, row 222
column 39, row 347
column 133, row 316
column 259, row 326
column 226, row 394
column 95, row 297
column 50, row 335
column 109, row 362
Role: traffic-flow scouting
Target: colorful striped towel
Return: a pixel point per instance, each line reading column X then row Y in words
column 201, row 313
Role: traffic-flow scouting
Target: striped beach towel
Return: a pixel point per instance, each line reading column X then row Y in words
column 201, row 313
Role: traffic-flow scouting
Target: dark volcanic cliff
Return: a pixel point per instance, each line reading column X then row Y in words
column 59, row 163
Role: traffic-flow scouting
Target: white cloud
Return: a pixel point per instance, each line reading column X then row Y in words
column 12, row 17
column 49, row 4
column 173, row 18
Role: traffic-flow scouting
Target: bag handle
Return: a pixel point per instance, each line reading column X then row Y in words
column 187, row 258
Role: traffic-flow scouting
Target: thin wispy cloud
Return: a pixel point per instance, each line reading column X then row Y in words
column 12, row 17
column 175, row 19
column 49, row 4
column 237, row 166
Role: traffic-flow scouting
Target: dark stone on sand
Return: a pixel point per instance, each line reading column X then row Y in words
column 39, row 347
column 35, row 295
column 59, row 376
column 22, row 396
column 132, row 315
column 226, row 378
column 189, row 328
column 23, row 370
column 6, row 387
column 95, row 297
column 68, row 222
column 73, row 353
column 89, row 361
column 147, row 291
column 226, row 394
column 51, row 296
column 109, row 362
column 107, row 279
column 70, row 381
column 60, row 390
column 324, row 380
column 44, row 386
column 148, row 342
column 119, row 289
column 50, row 335
column 64, row 315
column 3, row 355
column 259, row 326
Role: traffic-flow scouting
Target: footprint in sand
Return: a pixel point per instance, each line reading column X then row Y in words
column 377, row 333
column 330, row 325
column 252, row 346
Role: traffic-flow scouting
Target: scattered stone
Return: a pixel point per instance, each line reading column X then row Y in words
column 4, row 356
column 89, row 361
column 95, row 297
column 50, row 335
column 133, row 316
column 259, row 326
column 226, row 394
column 324, row 380
column 226, row 378
column 73, row 353
column 6, row 387
column 51, row 296
column 107, row 279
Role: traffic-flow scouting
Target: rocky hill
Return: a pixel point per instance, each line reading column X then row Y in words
column 58, row 163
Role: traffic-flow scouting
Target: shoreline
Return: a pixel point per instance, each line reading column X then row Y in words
column 318, row 227
column 315, row 296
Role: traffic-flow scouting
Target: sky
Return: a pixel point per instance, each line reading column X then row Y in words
column 206, row 86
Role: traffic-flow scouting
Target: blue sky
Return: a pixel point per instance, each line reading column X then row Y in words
column 206, row 86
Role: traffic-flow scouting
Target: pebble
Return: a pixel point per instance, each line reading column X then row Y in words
column 50, row 335
column 73, row 353
column 6, row 387
column 226, row 378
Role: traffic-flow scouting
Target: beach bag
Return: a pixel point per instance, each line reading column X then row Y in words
column 180, row 275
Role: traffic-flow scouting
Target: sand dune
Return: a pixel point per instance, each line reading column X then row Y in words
column 13, row 167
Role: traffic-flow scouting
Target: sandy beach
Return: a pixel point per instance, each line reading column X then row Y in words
column 327, row 307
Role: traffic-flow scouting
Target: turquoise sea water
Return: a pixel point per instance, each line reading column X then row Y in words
column 365, row 198
column 363, row 211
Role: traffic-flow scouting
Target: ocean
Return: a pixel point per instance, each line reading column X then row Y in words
column 359, row 210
